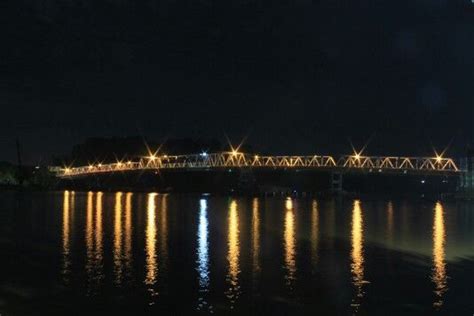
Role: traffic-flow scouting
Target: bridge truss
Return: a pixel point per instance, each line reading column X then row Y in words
column 229, row 160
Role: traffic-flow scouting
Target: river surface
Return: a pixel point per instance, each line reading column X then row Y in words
column 83, row 253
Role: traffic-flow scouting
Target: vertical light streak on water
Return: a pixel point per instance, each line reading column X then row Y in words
column 66, row 235
column 255, row 237
column 203, row 256
column 150, row 247
column 289, row 242
column 357, row 255
column 439, row 275
column 128, row 233
column 233, row 254
column 90, row 240
column 73, row 206
column 99, row 238
column 118, row 264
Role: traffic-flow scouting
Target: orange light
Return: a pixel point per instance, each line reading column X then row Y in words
column 438, row 158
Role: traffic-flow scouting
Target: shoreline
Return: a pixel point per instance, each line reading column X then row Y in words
column 250, row 194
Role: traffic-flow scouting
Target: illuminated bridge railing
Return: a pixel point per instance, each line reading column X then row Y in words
column 438, row 164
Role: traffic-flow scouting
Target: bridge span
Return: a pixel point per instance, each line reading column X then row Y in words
column 233, row 159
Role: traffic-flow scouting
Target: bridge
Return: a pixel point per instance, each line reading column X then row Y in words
column 234, row 159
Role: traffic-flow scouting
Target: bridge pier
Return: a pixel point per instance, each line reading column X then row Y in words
column 466, row 181
column 336, row 182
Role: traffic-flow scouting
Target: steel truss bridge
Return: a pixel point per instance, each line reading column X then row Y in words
column 229, row 160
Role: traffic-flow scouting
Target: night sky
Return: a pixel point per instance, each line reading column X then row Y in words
column 294, row 77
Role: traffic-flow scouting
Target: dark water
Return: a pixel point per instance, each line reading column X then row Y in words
column 79, row 253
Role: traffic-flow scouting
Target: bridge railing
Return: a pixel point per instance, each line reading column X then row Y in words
column 242, row 160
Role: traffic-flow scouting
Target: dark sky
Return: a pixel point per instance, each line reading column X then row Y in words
column 295, row 76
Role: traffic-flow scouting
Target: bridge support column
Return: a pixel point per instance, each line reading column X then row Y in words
column 466, row 181
column 336, row 182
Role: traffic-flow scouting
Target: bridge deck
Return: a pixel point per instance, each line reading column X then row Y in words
column 437, row 165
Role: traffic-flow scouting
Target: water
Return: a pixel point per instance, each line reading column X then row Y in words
column 137, row 253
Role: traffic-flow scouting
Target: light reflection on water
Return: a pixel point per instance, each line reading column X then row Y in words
column 122, row 246
column 241, row 249
column 94, row 242
column 151, row 259
column 289, row 242
column 255, row 238
column 203, row 256
column 233, row 291
column 128, row 234
column 99, row 245
column 118, row 238
column 439, row 275
column 68, row 211
column 89, row 238
column 357, row 254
